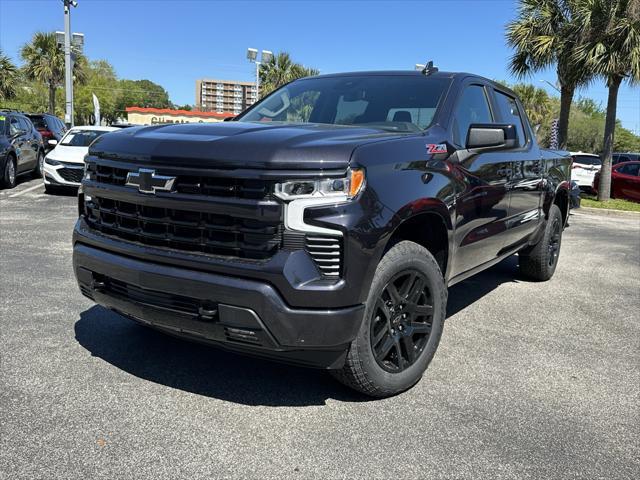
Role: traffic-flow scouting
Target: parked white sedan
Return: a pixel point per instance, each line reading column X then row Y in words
column 64, row 165
column 584, row 168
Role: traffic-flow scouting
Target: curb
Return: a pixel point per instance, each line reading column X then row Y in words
column 606, row 212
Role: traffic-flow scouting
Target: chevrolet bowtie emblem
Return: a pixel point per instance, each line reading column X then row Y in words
column 148, row 182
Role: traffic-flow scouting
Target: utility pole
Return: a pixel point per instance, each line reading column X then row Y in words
column 68, row 66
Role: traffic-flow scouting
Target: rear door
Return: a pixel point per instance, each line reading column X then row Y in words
column 18, row 139
column 482, row 207
column 525, row 182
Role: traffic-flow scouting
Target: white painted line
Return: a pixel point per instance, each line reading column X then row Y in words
column 27, row 190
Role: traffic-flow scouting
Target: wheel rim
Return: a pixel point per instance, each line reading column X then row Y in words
column 41, row 164
column 11, row 172
column 554, row 242
column 402, row 321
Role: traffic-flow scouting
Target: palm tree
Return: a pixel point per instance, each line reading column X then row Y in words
column 536, row 102
column 44, row 60
column 8, row 77
column 547, row 33
column 279, row 71
column 611, row 49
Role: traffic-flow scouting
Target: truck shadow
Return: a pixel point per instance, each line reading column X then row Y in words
column 201, row 369
column 465, row 293
column 215, row 373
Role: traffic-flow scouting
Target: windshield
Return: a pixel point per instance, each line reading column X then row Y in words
column 38, row 122
column 2, row 121
column 391, row 102
column 81, row 138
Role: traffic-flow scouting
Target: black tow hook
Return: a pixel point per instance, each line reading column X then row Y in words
column 207, row 314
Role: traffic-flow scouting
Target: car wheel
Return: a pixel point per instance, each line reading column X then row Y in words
column 539, row 261
column 38, row 172
column 9, row 174
column 402, row 325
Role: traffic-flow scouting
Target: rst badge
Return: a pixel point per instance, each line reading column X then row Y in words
column 148, row 182
column 434, row 148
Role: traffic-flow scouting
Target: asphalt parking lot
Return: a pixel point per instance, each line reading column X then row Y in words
column 532, row 380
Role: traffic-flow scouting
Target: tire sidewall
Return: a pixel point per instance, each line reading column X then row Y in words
column 403, row 256
column 5, row 174
column 554, row 215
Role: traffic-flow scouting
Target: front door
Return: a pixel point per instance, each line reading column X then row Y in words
column 482, row 206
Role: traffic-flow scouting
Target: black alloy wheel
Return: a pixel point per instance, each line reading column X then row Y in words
column 402, row 321
column 554, row 242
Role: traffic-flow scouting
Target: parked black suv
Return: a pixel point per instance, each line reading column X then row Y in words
column 324, row 225
column 21, row 147
column 49, row 126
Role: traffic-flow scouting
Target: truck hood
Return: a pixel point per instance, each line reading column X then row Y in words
column 239, row 145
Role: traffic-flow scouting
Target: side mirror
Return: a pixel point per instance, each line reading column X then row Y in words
column 53, row 142
column 491, row 136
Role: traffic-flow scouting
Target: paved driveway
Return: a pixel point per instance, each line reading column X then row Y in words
column 532, row 380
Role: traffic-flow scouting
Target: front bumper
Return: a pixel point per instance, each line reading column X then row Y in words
column 236, row 313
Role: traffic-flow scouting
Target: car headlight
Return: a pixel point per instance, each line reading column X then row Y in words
column 332, row 189
column 302, row 194
column 51, row 161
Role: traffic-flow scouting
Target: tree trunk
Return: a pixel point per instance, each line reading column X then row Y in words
column 604, row 185
column 52, row 99
column 566, row 97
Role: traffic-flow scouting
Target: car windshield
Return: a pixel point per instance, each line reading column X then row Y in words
column 2, row 123
column 399, row 103
column 587, row 160
column 81, row 138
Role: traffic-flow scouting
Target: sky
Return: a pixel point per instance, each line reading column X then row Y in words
column 175, row 42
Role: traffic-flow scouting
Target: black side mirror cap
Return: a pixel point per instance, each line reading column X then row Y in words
column 491, row 136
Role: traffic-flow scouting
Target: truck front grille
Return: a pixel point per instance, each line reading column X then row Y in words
column 185, row 230
column 217, row 186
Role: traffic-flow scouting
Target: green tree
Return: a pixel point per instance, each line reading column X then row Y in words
column 44, row 60
column 140, row 93
column 279, row 71
column 610, row 47
column 8, row 77
column 536, row 102
column 547, row 33
column 101, row 81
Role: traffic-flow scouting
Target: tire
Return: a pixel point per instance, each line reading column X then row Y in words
column 9, row 173
column 408, row 282
column 38, row 171
column 539, row 261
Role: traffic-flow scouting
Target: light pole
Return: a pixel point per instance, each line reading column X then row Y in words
column 68, row 68
column 252, row 56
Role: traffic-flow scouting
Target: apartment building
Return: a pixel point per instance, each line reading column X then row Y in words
column 224, row 95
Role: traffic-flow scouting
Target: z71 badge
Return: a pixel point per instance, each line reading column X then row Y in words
column 434, row 148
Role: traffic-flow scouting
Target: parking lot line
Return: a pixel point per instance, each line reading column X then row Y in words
column 26, row 190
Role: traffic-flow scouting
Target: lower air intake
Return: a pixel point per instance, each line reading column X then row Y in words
column 326, row 252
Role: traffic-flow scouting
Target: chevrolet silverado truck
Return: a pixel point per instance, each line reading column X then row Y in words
column 323, row 226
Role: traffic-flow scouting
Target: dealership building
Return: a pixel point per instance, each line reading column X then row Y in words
column 156, row 116
column 225, row 95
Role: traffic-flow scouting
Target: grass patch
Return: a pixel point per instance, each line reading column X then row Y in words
column 613, row 204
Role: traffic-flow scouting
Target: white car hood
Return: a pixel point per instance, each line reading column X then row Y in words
column 64, row 153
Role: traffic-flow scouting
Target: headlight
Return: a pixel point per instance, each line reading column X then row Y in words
column 51, row 161
column 341, row 188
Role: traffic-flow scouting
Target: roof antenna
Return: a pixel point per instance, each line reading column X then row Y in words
column 429, row 68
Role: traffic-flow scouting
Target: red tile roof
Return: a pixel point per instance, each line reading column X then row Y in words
column 186, row 113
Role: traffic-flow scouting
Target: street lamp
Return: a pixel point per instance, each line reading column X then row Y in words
column 78, row 40
column 252, row 56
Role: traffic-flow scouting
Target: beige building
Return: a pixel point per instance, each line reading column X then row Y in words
column 224, row 95
column 155, row 116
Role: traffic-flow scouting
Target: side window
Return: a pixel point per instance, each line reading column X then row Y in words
column 25, row 125
column 630, row 169
column 472, row 107
column 14, row 126
column 510, row 113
